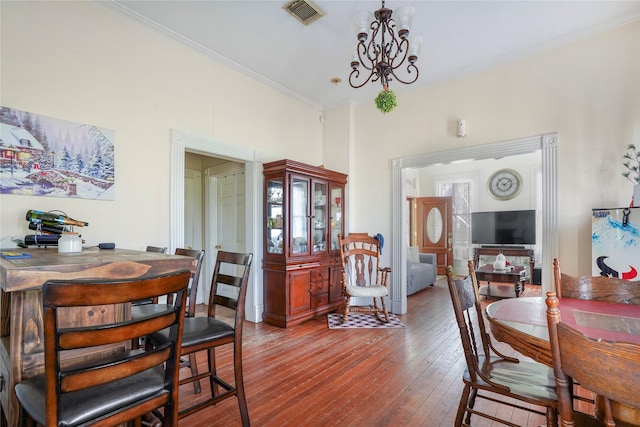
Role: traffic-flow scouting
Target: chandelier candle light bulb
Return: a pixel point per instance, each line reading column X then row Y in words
column 414, row 49
column 362, row 22
column 405, row 16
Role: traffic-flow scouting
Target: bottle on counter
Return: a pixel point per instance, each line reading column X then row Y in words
column 52, row 218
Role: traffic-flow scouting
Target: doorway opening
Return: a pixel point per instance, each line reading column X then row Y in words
column 546, row 144
column 243, row 159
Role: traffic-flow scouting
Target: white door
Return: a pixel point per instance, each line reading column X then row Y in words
column 225, row 217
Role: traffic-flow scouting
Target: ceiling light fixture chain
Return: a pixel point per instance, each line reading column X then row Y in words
column 385, row 50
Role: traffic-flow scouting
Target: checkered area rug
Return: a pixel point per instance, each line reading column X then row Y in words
column 362, row 320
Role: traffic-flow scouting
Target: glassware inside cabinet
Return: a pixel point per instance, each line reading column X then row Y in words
column 299, row 216
column 336, row 215
column 275, row 216
column 319, row 217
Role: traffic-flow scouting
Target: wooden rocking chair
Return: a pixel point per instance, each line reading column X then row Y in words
column 362, row 275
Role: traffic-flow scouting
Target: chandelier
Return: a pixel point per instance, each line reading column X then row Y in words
column 385, row 51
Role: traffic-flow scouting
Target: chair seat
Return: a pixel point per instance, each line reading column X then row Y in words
column 367, row 291
column 196, row 331
column 77, row 408
column 524, row 379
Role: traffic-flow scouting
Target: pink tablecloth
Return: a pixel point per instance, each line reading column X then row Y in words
column 596, row 319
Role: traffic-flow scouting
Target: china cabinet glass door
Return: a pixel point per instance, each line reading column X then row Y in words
column 319, row 218
column 275, row 216
column 336, row 201
column 299, row 216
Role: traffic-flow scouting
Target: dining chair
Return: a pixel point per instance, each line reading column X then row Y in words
column 228, row 289
column 490, row 374
column 116, row 386
column 158, row 249
column 362, row 276
column 607, row 368
column 141, row 310
column 597, row 288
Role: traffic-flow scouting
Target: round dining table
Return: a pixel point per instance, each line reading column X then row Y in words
column 522, row 324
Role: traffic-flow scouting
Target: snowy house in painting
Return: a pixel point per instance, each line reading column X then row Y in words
column 19, row 145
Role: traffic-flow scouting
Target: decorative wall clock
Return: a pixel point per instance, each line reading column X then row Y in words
column 504, row 184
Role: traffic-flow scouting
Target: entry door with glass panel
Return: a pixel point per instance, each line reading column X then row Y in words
column 434, row 229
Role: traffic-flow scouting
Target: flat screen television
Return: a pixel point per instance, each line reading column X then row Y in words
column 504, row 228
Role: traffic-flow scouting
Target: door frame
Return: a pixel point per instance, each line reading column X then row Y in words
column 252, row 159
column 547, row 144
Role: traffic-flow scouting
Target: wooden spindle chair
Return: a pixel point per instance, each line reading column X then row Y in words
column 490, row 374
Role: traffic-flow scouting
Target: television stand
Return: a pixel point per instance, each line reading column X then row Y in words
column 507, row 252
column 502, row 247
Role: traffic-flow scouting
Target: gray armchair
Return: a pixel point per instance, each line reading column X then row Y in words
column 421, row 270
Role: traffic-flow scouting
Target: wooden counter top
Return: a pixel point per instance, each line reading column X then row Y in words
column 48, row 264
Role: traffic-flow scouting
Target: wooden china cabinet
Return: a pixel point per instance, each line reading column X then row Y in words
column 303, row 215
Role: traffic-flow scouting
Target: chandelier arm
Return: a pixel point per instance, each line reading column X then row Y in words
column 409, row 68
column 365, row 51
column 373, row 49
column 357, row 74
column 390, row 27
column 402, row 47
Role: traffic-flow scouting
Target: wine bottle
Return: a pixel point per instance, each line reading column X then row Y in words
column 53, row 218
column 47, row 227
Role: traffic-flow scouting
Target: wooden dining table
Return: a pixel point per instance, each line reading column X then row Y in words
column 21, row 280
column 522, row 323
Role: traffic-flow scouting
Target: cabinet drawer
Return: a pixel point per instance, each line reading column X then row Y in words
column 318, row 274
column 320, row 287
column 319, row 300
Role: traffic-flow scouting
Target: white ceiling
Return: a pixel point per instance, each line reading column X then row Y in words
column 263, row 40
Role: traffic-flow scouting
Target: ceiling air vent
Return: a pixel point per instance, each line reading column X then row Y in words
column 304, row 11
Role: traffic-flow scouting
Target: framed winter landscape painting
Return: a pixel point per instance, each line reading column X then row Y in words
column 44, row 156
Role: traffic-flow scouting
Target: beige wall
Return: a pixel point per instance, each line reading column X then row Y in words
column 82, row 62
column 588, row 92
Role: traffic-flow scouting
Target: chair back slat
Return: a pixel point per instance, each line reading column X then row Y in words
column 111, row 372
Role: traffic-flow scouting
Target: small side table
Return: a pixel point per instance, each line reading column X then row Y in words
column 514, row 275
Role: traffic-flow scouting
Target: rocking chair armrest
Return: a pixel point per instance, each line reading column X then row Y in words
column 384, row 274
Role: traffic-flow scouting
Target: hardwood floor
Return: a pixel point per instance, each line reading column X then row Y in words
column 310, row 375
